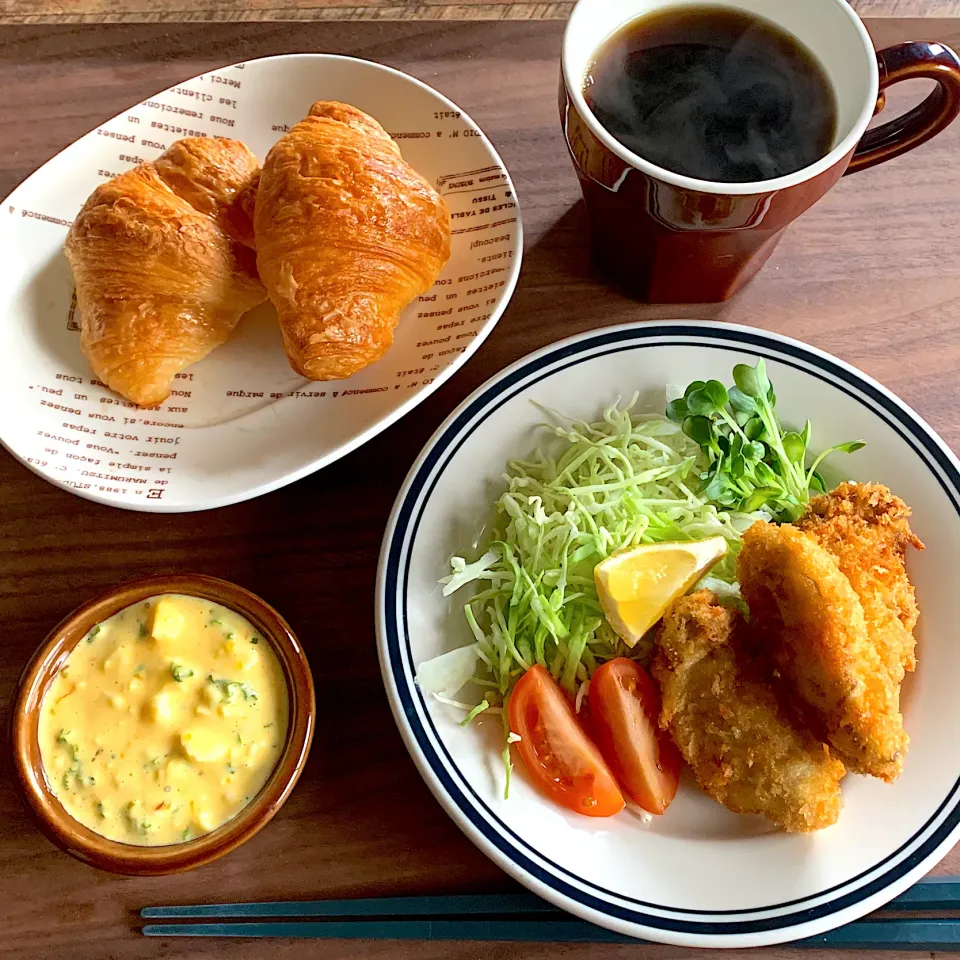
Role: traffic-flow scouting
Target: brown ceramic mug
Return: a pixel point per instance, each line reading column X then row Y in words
column 669, row 238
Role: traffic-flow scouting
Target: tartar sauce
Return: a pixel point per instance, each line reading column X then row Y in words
column 164, row 722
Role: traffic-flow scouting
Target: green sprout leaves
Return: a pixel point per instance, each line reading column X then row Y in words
column 754, row 463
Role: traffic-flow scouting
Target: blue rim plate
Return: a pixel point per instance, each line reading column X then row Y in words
column 699, row 875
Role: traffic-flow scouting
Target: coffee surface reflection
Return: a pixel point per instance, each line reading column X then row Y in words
column 713, row 93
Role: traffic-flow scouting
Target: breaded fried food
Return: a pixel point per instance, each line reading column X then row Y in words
column 727, row 723
column 865, row 528
column 807, row 619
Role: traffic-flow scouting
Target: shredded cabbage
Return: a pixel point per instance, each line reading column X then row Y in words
column 448, row 674
column 624, row 480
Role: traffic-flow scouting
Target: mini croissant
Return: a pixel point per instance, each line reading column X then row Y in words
column 347, row 235
column 163, row 266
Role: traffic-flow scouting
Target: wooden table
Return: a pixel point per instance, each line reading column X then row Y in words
column 871, row 274
column 175, row 11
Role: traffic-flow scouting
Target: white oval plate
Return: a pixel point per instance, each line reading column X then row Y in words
column 240, row 423
column 699, row 875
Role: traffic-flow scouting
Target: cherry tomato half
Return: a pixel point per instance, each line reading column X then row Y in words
column 560, row 757
column 624, row 713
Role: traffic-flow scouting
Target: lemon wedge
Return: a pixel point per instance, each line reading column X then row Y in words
column 636, row 585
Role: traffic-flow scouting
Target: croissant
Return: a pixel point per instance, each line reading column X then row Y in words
column 347, row 234
column 162, row 271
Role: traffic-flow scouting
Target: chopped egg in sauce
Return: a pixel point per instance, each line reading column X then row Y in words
column 164, row 722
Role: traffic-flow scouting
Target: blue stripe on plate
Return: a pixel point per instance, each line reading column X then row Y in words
column 483, row 819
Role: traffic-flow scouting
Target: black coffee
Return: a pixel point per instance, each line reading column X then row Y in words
column 713, row 93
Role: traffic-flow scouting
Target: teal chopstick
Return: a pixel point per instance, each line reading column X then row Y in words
column 861, row 935
column 935, row 893
column 519, row 930
column 890, row 934
column 437, row 906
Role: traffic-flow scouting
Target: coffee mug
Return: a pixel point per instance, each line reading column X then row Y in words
column 668, row 238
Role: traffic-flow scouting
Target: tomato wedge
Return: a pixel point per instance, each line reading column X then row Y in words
column 624, row 713
column 559, row 756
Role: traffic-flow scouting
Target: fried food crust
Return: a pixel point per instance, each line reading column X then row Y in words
column 808, row 620
column 865, row 528
column 740, row 743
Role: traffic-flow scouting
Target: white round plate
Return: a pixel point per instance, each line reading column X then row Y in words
column 699, row 875
column 240, row 422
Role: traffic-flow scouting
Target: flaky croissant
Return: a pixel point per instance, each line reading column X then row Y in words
column 161, row 269
column 347, row 234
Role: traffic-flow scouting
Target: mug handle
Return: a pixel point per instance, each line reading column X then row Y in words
column 910, row 61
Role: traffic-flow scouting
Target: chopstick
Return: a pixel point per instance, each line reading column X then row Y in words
column 934, row 893
column 489, row 929
column 518, row 917
column 861, row 935
column 442, row 906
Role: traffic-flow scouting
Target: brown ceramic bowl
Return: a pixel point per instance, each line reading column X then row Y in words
column 90, row 847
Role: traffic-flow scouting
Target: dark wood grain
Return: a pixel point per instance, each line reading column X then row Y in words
column 175, row 11
column 871, row 274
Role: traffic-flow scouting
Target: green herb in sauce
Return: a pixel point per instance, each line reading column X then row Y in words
column 139, row 823
column 231, row 689
column 74, row 777
column 180, row 672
